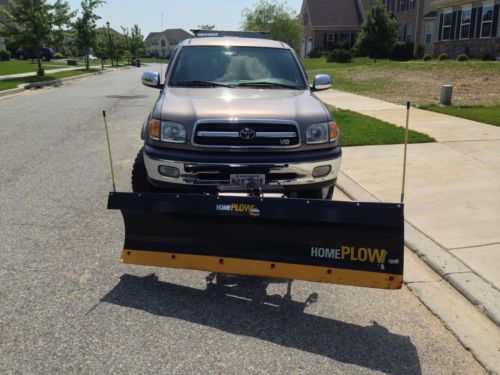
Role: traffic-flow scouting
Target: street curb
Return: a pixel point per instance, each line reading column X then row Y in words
column 484, row 296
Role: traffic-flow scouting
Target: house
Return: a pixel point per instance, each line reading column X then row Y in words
column 326, row 22
column 451, row 26
column 467, row 27
column 161, row 44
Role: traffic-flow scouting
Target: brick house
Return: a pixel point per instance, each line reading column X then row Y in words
column 326, row 22
column 161, row 44
column 469, row 27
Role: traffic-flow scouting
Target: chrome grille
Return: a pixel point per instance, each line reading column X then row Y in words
column 246, row 134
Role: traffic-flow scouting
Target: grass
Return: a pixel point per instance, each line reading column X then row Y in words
column 486, row 114
column 13, row 83
column 361, row 130
column 26, row 66
column 475, row 82
column 153, row 60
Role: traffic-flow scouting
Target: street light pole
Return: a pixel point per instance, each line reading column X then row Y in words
column 109, row 44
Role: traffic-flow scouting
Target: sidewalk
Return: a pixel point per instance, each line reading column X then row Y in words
column 453, row 192
column 47, row 72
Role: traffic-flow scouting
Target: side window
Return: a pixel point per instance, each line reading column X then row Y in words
column 172, row 57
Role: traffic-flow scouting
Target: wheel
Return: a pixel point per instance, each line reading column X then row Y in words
column 325, row 193
column 140, row 183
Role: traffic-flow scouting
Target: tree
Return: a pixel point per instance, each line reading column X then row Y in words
column 206, row 27
column 279, row 20
column 102, row 45
column 62, row 16
column 29, row 25
column 137, row 47
column 85, row 27
column 378, row 32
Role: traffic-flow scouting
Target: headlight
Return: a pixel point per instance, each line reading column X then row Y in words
column 323, row 132
column 172, row 132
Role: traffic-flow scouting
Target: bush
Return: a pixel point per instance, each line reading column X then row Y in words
column 443, row 56
column 58, row 55
column 427, row 57
column 354, row 51
column 316, row 53
column 419, row 51
column 486, row 57
column 340, row 56
column 4, row 55
column 401, row 51
column 462, row 57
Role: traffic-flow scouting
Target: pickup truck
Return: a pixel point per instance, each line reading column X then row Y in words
column 237, row 111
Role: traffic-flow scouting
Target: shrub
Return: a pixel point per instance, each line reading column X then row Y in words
column 315, row 53
column 443, row 56
column 401, row 51
column 419, row 51
column 58, row 55
column 462, row 57
column 4, row 55
column 486, row 57
column 340, row 56
column 427, row 57
column 354, row 51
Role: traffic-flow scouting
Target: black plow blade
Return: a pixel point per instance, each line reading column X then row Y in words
column 349, row 243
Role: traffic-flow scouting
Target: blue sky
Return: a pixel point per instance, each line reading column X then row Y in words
column 185, row 14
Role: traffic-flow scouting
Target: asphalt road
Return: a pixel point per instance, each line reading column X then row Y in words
column 68, row 306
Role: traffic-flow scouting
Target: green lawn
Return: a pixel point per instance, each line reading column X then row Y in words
column 486, row 114
column 13, row 83
column 361, row 130
column 153, row 60
column 26, row 66
column 475, row 82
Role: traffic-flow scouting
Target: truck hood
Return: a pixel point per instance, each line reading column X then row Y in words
column 188, row 105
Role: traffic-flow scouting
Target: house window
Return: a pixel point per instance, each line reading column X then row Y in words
column 411, row 4
column 487, row 20
column 330, row 37
column 306, row 19
column 407, row 32
column 162, row 43
column 447, row 25
column 428, row 32
column 402, row 4
column 465, row 25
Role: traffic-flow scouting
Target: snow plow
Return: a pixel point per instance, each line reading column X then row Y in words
column 348, row 243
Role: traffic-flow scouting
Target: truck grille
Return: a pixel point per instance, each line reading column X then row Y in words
column 246, row 134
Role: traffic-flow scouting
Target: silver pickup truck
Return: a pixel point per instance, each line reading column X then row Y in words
column 237, row 111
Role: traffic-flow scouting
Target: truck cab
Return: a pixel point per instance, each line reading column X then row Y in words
column 237, row 111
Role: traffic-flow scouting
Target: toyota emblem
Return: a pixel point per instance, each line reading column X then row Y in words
column 247, row 134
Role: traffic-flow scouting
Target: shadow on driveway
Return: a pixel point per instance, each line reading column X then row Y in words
column 247, row 310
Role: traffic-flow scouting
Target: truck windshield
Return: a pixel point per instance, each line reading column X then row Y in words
column 214, row 66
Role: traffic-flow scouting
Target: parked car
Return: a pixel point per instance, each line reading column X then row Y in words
column 237, row 111
column 46, row 54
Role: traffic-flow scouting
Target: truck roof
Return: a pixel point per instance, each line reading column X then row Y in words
column 235, row 41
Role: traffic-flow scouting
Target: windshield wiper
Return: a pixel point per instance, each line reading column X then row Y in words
column 202, row 83
column 270, row 84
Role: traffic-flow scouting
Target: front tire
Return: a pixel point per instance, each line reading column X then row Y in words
column 140, row 183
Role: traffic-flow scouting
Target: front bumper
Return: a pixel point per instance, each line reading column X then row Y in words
column 292, row 170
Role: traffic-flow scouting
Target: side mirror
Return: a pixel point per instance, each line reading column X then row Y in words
column 322, row 82
column 151, row 79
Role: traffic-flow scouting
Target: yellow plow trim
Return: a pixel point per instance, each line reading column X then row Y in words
column 263, row 268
